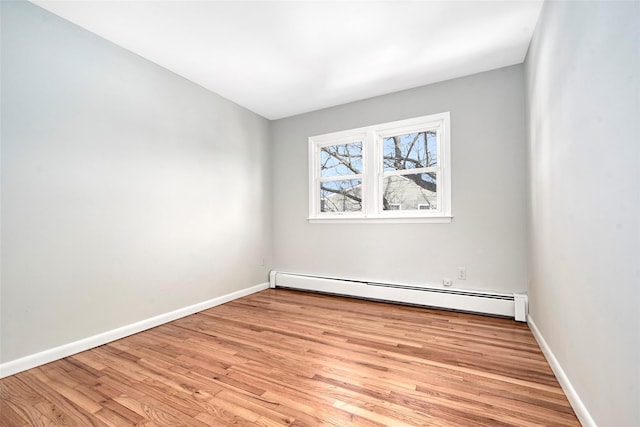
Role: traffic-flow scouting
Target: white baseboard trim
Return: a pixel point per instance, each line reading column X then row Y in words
column 56, row 353
column 574, row 399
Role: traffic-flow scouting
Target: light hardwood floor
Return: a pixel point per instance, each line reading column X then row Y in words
column 281, row 357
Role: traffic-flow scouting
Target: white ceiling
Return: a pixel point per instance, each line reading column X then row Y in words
column 281, row 58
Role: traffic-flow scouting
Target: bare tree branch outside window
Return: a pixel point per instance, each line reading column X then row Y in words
column 341, row 160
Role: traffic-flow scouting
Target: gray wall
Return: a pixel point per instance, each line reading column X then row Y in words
column 582, row 77
column 127, row 191
column 488, row 232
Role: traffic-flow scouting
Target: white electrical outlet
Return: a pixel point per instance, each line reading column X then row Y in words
column 462, row 273
column 447, row 282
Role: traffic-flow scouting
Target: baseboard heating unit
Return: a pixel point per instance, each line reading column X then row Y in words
column 496, row 304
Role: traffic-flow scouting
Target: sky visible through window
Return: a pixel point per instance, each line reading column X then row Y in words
column 410, row 151
column 342, row 159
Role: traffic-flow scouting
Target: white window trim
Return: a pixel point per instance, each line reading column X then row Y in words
column 373, row 171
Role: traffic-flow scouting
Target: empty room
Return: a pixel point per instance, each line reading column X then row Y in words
column 306, row 213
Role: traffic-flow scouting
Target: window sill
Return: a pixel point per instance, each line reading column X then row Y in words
column 386, row 220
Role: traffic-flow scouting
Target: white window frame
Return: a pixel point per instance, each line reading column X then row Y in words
column 373, row 174
column 337, row 138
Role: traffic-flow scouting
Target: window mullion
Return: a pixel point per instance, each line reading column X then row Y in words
column 370, row 175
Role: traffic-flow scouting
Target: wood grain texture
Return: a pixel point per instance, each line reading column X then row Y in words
column 281, row 357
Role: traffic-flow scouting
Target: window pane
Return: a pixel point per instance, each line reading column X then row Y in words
column 343, row 159
column 410, row 192
column 341, row 196
column 410, row 151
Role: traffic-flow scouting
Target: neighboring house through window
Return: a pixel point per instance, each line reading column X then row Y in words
column 391, row 171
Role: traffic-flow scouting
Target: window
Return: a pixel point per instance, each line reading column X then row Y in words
column 340, row 179
column 398, row 171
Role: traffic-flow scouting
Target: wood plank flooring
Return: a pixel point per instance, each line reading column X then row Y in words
column 281, row 357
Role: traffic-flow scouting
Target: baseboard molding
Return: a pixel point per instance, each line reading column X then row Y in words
column 574, row 399
column 37, row 359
